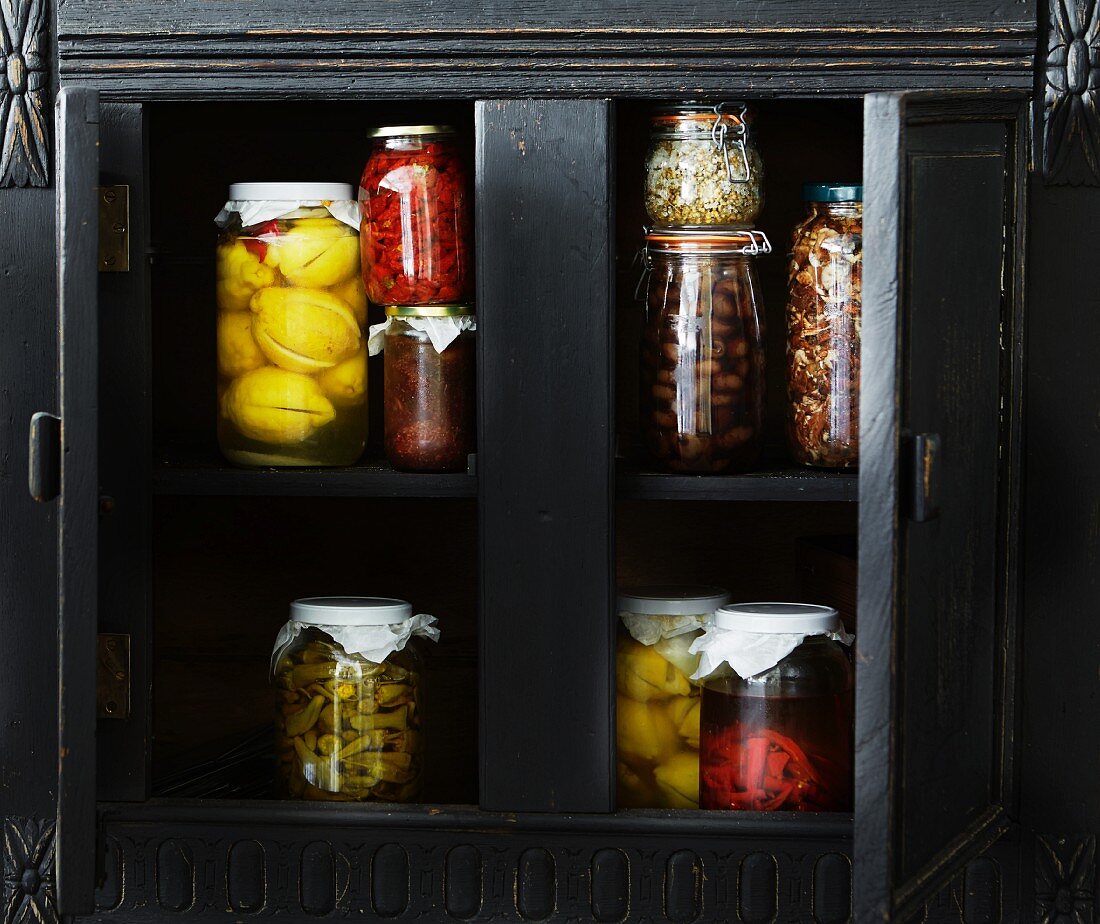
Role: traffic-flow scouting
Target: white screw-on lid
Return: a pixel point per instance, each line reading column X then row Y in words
column 779, row 618
column 279, row 192
column 350, row 611
column 672, row 599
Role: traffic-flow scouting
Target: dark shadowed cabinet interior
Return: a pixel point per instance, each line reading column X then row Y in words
column 152, row 576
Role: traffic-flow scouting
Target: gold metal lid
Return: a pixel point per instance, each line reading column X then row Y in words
column 395, row 131
column 428, row 311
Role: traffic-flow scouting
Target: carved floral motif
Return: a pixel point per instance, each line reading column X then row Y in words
column 1065, row 880
column 1072, row 100
column 28, row 872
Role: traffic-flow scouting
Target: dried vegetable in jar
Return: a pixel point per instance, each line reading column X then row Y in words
column 429, row 386
column 703, row 167
column 292, row 359
column 824, row 327
column 349, row 699
column 416, row 227
column 657, row 727
column 702, row 355
column 776, row 710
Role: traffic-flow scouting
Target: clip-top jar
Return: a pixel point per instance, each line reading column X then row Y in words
column 823, row 327
column 416, row 217
column 657, row 706
column 779, row 737
column 703, row 166
column 292, row 358
column 702, row 376
column 348, row 680
column 429, row 390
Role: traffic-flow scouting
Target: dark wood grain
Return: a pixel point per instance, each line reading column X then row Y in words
column 546, row 458
column 78, row 511
column 933, row 661
column 125, row 442
column 778, row 484
column 24, row 94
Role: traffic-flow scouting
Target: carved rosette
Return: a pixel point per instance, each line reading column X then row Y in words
column 24, row 159
column 1071, row 106
column 28, row 872
column 1065, row 880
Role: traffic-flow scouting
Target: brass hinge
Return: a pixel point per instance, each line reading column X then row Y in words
column 114, row 229
column 112, row 689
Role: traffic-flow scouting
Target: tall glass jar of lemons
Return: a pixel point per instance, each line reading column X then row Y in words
column 292, row 355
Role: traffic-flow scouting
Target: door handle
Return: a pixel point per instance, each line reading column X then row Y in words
column 44, row 472
column 924, row 498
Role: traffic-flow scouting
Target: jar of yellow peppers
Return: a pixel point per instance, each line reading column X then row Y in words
column 349, row 697
column 657, row 709
column 292, row 355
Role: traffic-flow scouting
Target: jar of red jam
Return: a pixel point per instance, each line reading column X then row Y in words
column 415, row 205
column 429, row 387
column 777, row 739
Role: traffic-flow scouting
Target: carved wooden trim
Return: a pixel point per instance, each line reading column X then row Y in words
column 24, row 158
column 1071, row 104
column 1065, row 880
column 28, row 872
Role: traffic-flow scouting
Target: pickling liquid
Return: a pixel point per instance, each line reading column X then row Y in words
column 760, row 753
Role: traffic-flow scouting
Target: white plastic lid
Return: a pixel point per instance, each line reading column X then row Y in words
column 350, row 611
column 278, row 192
column 779, row 618
column 673, row 599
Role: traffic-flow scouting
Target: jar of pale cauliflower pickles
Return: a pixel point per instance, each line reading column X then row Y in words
column 703, row 166
column 292, row 355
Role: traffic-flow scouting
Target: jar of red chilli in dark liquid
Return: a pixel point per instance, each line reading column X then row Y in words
column 780, row 739
column 415, row 232
column 429, row 387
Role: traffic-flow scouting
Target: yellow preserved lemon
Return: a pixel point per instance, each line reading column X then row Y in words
column 355, row 294
column 316, row 252
column 684, row 713
column 239, row 274
column 237, row 351
column 645, row 732
column 642, row 674
column 303, row 330
column 275, row 406
column 678, row 779
column 345, row 384
column 633, row 791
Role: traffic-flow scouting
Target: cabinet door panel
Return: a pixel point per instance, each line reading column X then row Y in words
column 78, row 511
column 938, row 485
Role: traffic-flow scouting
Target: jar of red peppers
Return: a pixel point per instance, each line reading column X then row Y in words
column 429, row 387
column 415, row 204
column 823, row 327
column 776, row 710
column 702, row 356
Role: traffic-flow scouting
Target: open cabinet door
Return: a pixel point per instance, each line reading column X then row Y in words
column 943, row 234
column 77, row 228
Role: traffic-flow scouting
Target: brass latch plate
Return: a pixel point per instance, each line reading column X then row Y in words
column 114, row 229
column 112, row 691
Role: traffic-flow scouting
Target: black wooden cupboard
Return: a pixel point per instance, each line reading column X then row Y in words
column 152, row 577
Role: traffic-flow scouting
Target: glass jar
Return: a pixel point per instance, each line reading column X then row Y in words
column 780, row 739
column 292, row 358
column 702, row 355
column 347, row 728
column 429, row 391
column 416, row 217
column 657, row 706
column 823, row 327
column 703, row 166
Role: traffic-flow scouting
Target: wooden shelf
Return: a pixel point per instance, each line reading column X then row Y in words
column 372, row 478
column 774, row 483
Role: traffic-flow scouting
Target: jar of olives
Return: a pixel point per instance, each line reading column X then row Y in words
column 657, row 706
column 292, row 358
column 348, row 687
